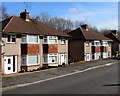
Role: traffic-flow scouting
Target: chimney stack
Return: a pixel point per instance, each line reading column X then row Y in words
column 114, row 31
column 25, row 15
column 85, row 26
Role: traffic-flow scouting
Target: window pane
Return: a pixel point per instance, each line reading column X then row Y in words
column 33, row 39
column 9, row 61
column 52, row 41
column 24, row 38
column 13, row 39
column 45, row 58
column 8, row 39
column 24, row 59
column 32, row 59
column 52, row 59
column 62, row 41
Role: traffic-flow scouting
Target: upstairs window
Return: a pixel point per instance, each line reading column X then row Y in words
column 63, row 40
column 104, row 43
column 11, row 39
column 53, row 39
column 50, row 40
column 32, row 39
column 45, row 39
column 87, row 43
column 96, row 43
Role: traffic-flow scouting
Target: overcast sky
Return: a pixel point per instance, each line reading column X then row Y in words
column 99, row 14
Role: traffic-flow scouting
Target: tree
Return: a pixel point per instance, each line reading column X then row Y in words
column 57, row 23
column 4, row 15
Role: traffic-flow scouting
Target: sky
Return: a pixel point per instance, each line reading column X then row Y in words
column 99, row 14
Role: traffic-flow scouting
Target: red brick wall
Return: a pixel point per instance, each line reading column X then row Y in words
column 30, row 49
column 50, row 48
column 97, row 49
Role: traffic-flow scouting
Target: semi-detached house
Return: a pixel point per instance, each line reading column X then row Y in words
column 28, row 44
column 85, row 44
column 115, row 36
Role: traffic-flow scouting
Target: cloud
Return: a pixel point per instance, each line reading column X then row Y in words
column 72, row 9
column 101, row 17
column 112, row 24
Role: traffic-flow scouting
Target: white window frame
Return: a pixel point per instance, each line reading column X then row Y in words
column 104, row 43
column 105, row 54
column 27, row 41
column 94, row 43
column 48, row 39
column 48, row 55
column 87, row 43
column 45, row 55
column 11, row 37
column 26, row 56
column 63, row 41
column 45, row 37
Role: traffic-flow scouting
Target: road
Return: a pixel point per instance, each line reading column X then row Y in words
column 102, row 80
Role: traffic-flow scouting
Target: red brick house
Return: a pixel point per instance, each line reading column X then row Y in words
column 28, row 44
column 86, row 45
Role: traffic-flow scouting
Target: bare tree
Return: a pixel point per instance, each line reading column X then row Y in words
column 57, row 23
column 3, row 11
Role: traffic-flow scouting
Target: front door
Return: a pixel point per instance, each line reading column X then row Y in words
column 10, row 63
column 62, row 59
column 87, row 57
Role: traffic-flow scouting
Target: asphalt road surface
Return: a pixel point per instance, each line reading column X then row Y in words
column 102, row 80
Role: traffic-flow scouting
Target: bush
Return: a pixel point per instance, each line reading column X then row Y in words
column 117, row 53
column 73, row 60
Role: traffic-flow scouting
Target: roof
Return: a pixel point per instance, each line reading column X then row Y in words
column 81, row 33
column 113, row 36
column 16, row 24
column 117, row 36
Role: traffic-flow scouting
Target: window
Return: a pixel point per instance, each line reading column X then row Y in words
column 109, row 43
column 52, row 58
column 96, row 43
column 109, row 54
column 11, row 39
column 30, row 39
column 53, row 39
column 87, row 43
column 45, row 39
column 33, row 59
column 24, row 38
column 45, row 59
column 24, row 60
column 63, row 40
column 30, row 60
column 50, row 40
column 9, row 61
column 104, row 43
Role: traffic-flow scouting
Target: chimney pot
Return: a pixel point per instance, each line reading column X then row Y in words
column 85, row 26
column 25, row 15
column 114, row 31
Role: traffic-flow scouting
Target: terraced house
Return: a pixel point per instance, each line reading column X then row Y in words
column 28, row 44
column 86, row 44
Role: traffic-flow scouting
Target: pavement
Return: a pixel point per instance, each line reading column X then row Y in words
column 29, row 77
